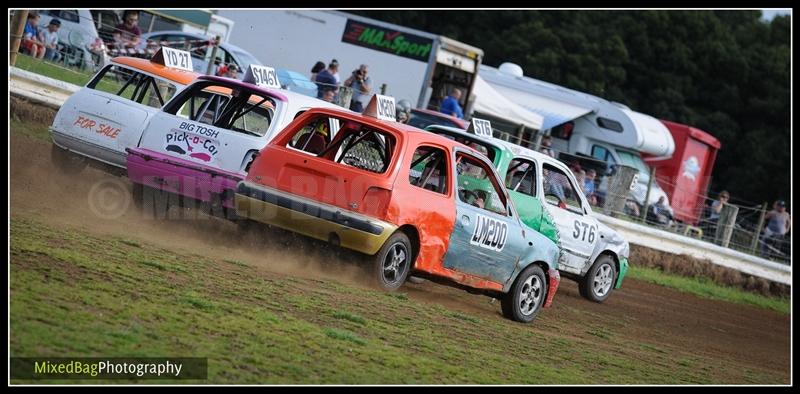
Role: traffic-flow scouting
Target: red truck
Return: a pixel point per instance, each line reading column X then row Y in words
column 685, row 175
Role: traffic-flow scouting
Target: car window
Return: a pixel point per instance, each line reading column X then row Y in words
column 314, row 136
column 601, row 153
column 477, row 185
column 354, row 144
column 240, row 110
column 429, row 169
column 521, row 177
column 133, row 85
column 559, row 190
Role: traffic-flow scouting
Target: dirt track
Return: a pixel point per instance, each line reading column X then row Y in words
column 753, row 338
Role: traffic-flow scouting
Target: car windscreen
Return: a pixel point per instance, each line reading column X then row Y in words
column 237, row 109
column 635, row 161
column 473, row 142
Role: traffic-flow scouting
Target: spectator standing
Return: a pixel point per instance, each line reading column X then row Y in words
column 362, row 85
column 451, row 105
column 326, row 80
column 49, row 37
column 779, row 222
column 545, row 145
column 716, row 206
column 126, row 34
column 318, row 66
column 589, row 187
column 30, row 37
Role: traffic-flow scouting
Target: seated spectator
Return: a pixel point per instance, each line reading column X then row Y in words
column 49, row 37
column 31, row 44
column 659, row 213
column 126, row 34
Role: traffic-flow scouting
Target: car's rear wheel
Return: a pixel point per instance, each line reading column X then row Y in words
column 598, row 283
column 393, row 262
column 525, row 299
column 66, row 162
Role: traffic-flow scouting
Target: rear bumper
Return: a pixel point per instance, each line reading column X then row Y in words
column 552, row 287
column 623, row 268
column 88, row 149
column 308, row 217
column 182, row 177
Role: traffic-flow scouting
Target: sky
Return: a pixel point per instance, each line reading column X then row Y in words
column 769, row 14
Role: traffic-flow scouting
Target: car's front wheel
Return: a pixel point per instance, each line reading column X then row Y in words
column 598, row 282
column 393, row 262
column 525, row 299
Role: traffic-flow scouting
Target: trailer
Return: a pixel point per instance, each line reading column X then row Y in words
column 685, row 175
column 405, row 63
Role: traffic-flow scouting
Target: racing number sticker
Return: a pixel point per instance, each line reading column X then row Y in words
column 489, row 233
column 583, row 231
column 482, row 127
column 262, row 76
column 176, row 58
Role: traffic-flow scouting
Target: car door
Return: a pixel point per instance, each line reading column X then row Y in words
column 567, row 204
column 487, row 241
column 108, row 115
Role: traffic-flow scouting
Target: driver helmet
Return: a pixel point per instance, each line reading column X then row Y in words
column 403, row 110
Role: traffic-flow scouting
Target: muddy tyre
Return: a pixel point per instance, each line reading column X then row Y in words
column 392, row 263
column 598, row 283
column 525, row 299
column 65, row 161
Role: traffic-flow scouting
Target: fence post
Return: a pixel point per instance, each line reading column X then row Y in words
column 754, row 244
column 619, row 187
column 727, row 219
column 17, row 28
column 213, row 56
column 646, row 203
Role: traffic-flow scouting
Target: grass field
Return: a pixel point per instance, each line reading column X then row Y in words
column 78, row 294
column 706, row 288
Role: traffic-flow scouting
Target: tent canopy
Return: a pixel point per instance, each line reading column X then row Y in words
column 490, row 101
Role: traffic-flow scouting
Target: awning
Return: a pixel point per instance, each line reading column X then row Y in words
column 554, row 112
column 199, row 18
column 652, row 136
column 489, row 101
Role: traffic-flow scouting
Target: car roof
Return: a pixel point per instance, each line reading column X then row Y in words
column 500, row 144
column 521, row 151
column 414, row 134
column 442, row 115
column 172, row 74
column 294, row 98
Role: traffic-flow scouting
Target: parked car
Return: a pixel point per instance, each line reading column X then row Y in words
column 99, row 121
column 77, row 37
column 197, row 45
column 548, row 199
column 415, row 202
column 201, row 143
column 422, row 118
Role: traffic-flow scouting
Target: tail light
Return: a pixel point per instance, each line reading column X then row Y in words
column 375, row 202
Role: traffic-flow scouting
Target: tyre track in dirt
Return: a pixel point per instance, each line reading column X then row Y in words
column 640, row 312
